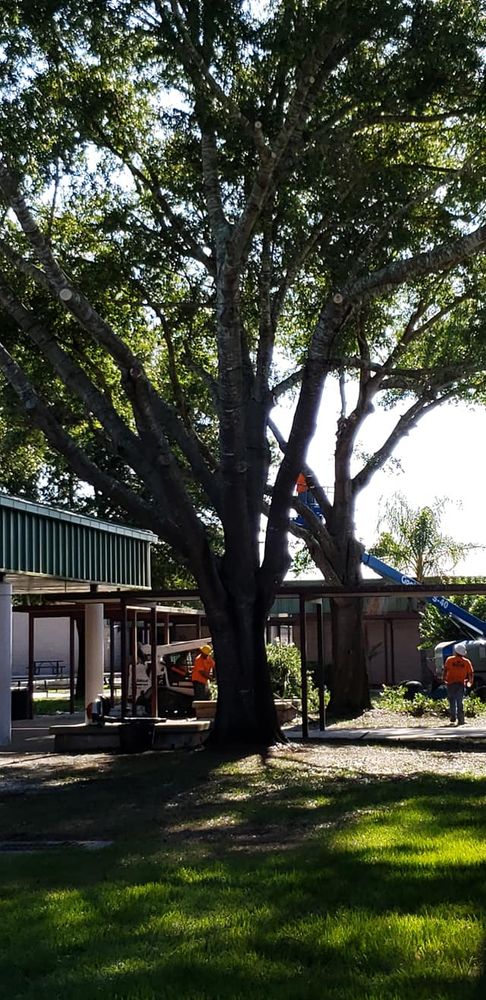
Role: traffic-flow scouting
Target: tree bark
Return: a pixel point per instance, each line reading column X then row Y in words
column 246, row 714
column 349, row 686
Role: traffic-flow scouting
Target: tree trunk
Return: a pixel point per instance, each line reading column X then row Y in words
column 349, row 691
column 246, row 714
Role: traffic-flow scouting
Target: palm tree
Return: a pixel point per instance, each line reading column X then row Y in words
column 411, row 539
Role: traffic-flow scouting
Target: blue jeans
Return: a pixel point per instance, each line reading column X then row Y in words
column 455, row 694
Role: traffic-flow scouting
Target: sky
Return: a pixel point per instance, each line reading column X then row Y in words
column 441, row 458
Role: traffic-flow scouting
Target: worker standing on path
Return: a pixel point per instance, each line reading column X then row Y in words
column 458, row 674
column 202, row 670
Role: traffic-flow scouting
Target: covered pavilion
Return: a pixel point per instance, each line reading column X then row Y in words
column 308, row 593
column 44, row 550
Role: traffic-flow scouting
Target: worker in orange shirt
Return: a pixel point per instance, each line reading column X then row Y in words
column 202, row 670
column 458, row 674
column 301, row 483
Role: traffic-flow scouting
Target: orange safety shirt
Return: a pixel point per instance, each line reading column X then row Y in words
column 301, row 483
column 201, row 668
column 458, row 669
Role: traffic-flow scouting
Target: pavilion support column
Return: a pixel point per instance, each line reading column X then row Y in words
column 95, row 653
column 5, row 663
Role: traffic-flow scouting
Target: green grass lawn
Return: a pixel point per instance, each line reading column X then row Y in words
column 245, row 878
column 55, row 702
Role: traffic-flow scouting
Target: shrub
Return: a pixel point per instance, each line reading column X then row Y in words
column 423, row 705
column 395, row 700
column 284, row 662
column 473, row 706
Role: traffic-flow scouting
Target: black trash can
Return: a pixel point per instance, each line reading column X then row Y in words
column 20, row 704
column 136, row 735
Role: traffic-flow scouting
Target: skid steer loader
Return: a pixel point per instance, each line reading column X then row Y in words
column 175, row 691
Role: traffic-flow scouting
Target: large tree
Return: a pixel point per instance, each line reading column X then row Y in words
column 208, row 204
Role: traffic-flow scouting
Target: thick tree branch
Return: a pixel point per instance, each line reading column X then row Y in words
column 75, row 379
column 155, row 464
column 190, row 544
column 316, row 537
column 202, row 77
column 181, row 404
column 148, row 406
column 332, row 319
column 349, row 425
column 290, row 383
column 266, row 326
column 440, row 258
column 220, row 228
column 312, row 480
column 408, row 378
column 42, row 416
column 318, row 540
column 70, row 297
column 405, row 424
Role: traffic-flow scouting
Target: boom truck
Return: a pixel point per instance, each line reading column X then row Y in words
column 468, row 623
column 473, row 627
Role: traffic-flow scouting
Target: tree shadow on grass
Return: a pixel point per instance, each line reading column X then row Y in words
column 292, row 884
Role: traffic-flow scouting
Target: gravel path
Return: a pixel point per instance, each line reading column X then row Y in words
column 362, row 760
column 38, row 771
column 38, row 774
column 382, row 718
column 367, row 761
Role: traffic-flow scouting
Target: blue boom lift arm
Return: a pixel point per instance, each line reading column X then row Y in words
column 460, row 615
column 448, row 608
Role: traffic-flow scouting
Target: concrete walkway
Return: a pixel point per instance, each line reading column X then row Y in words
column 32, row 735
column 65, row 733
column 406, row 735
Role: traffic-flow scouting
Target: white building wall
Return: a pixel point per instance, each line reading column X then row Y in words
column 51, row 641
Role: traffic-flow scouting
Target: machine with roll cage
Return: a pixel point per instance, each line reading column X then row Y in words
column 175, row 690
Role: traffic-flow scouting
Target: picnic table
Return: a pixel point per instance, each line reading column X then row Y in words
column 55, row 667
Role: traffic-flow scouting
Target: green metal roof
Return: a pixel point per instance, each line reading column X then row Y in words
column 44, row 549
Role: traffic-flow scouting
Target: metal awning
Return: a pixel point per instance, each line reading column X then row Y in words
column 44, row 550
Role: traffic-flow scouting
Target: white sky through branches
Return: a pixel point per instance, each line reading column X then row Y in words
column 443, row 457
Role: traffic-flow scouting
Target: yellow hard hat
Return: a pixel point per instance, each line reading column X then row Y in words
column 206, row 649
